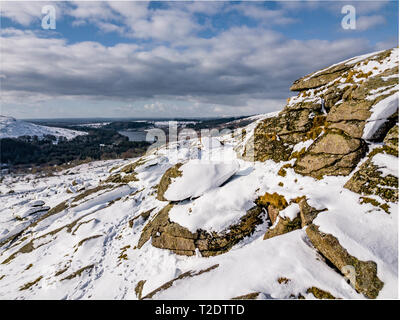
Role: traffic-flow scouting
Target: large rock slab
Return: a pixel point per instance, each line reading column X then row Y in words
column 334, row 153
column 366, row 280
column 165, row 234
column 319, row 79
column 194, row 178
column 392, row 138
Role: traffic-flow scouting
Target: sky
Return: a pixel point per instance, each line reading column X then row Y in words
column 175, row 59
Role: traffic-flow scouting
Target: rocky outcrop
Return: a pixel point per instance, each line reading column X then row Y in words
column 283, row 225
column 307, row 212
column 392, row 139
column 275, row 137
column 275, row 203
column 332, row 108
column 370, row 180
column 334, row 153
column 319, row 293
column 366, row 280
column 125, row 174
column 169, row 235
column 249, row 296
column 167, row 285
column 166, row 180
column 319, row 79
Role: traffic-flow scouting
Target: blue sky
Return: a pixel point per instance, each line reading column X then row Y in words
column 175, row 59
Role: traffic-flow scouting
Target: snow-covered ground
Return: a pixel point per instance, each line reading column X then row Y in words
column 13, row 128
column 88, row 250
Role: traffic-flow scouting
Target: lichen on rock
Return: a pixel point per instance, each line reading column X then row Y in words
column 369, row 180
column 334, row 153
column 392, row 138
column 319, row 293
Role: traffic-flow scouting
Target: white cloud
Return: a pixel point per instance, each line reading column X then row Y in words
column 387, row 44
column 240, row 70
column 264, row 15
column 29, row 12
column 363, row 7
column 366, row 22
column 230, row 68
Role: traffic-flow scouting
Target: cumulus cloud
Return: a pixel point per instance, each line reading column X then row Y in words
column 266, row 16
column 367, row 22
column 26, row 13
column 362, row 7
column 228, row 68
column 235, row 70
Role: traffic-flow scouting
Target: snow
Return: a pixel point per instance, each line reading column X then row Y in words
column 350, row 61
column 379, row 113
column 387, row 164
column 303, row 144
column 390, row 77
column 290, row 212
column 362, row 57
column 12, row 128
column 376, row 67
column 198, row 177
column 37, row 203
column 256, row 268
column 32, row 211
column 210, row 142
column 373, row 94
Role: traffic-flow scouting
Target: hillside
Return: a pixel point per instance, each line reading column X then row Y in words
column 12, row 128
column 299, row 204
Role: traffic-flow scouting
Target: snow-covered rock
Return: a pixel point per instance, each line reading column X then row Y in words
column 31, row 211
column 198, row 177
column 37, row 203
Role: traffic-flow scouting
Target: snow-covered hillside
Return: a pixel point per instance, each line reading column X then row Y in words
column 315, row 215
column 13, row 128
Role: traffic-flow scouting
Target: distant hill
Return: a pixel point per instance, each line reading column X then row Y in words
column 13, row 128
